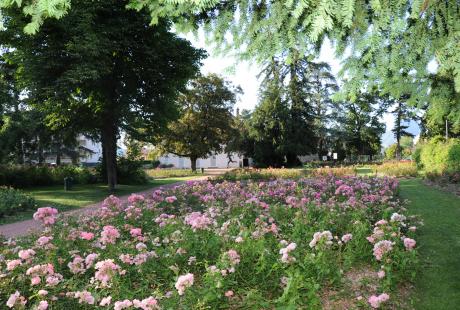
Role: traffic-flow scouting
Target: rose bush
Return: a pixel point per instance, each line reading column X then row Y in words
column 203, row 245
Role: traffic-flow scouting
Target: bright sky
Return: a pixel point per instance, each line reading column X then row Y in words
column 245, row 74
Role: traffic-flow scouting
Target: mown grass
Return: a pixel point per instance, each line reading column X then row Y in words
column 81, row 195
column 438, row 282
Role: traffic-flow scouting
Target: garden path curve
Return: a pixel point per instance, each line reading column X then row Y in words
column 23, row 228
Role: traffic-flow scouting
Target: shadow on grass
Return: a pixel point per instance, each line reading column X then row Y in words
column 81, row 196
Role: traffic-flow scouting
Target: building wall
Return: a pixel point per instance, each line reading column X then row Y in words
column 217, row 161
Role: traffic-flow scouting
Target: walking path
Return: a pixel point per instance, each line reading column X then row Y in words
column 23, row 228
column 438, row 282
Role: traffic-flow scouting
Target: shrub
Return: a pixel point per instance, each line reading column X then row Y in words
column 13, row 200
column 397, row 169
column 131, row 172
column 22, row 176
column 128, row 172
column 438, row 156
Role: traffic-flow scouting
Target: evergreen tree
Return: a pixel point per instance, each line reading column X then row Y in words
column 403, row 115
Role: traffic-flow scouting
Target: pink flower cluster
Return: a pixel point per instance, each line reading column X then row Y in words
column 346, row 238
column 409, row 244
column 285, row 257
column 198, row 220
column 109, row 234
column 149, row 303
column 381, row 248
column 46, row 215
column 318, row 236
column 135, row 198
column 184, row 282
column 45, row 270
column 233, row 257
column 170, row 199
column 105, row 270
column 16, row 299
column 376, row 301
column 84, row 297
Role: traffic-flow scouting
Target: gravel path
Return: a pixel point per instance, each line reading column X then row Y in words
column 23, row 228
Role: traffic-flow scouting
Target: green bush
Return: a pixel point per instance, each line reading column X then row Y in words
column 438, row 156
column 22, row 176
column 13, row 200
column 128, row 172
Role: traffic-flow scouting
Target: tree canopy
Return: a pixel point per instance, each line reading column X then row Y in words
column 103, row 69
column 378, row 32
column 205, row 126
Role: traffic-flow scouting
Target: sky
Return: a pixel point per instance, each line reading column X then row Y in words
column 245, row 74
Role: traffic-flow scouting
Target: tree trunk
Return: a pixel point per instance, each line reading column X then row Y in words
column 109, row 146
column 40, row 152
column 58, row 156
column 193, row 160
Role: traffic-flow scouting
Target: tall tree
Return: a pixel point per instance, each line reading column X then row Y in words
column 103, row 69
column 205, row 125
column 323, row 86
column 402, row 116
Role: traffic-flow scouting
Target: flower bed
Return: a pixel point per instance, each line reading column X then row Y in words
column 396, row 169
column 263, row 174
column 253, row 245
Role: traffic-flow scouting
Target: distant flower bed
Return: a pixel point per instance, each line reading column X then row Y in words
column 159, row 173
column 280, row 244
column 13, row 201
column 337, row 171
column 396, row 169
column 263, row 174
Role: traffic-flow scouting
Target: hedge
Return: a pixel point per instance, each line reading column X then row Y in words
column 23, row 176
column 438, row 156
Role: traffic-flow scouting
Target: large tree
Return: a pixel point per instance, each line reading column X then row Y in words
column 103, row 69
column 205, row 125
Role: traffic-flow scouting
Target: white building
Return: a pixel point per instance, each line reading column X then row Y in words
column 220, row 160
column 89, row 153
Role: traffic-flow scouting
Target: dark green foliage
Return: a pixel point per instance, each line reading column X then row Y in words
column 19, row 176
column 13, row 200
column 129, row 172
column 102, row 69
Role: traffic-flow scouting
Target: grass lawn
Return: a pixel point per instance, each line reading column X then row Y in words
column 438, row 283
column 81, row 195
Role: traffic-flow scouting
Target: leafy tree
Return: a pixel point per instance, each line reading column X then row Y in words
column 205, row 125
column 102, row 69
column 444, row 107
column 359, row 125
